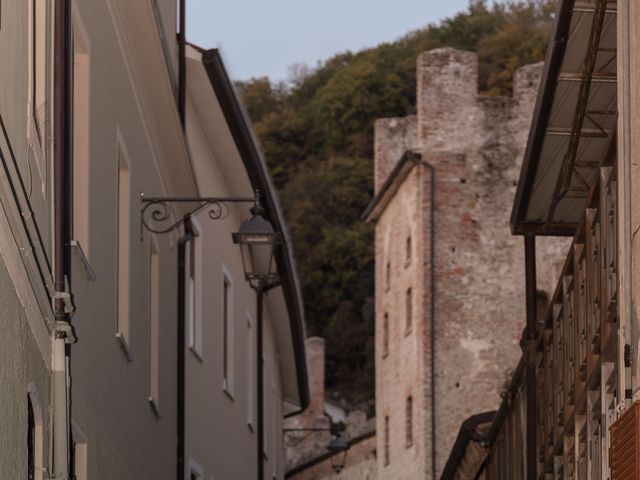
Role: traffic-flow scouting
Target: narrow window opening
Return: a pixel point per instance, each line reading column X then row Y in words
column 250, row 372
column 409, row 311
column 408, row 250
column 385, row 335
column 409, row 420
column 388, row 276
column 154, row 326
column 227, row 334
column 124, row 241
column 386, row 441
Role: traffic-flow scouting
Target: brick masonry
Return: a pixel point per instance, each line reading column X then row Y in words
column 475, row 145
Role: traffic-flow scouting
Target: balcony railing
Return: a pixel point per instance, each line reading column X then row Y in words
column 576, row 359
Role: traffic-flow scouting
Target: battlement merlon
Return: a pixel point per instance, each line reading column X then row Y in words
column 450, row 110
column 392, row 138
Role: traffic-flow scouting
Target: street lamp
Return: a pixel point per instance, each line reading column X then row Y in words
column 338, row 449
column 257, row 241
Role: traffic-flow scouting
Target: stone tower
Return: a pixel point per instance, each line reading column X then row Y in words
column 449, row 274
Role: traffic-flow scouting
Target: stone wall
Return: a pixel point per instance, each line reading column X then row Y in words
column 474, row 146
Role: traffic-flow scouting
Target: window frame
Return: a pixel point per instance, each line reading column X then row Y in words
column 194, row 288
column 251, row 372
column 228, row 332
column 154, row 310
column 123, row 247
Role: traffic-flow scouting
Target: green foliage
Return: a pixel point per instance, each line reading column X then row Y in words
column 317, row 136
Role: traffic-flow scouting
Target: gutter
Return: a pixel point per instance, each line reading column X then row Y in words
column 259, row 177
column 541, row 114
column 62, row 335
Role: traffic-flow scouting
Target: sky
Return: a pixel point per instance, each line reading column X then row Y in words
column 266, row 37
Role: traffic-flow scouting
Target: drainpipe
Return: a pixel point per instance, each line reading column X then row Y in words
column 432, row 311
column 260, row 293
column 62, row 333
column 182, row 242
column 182, row 63
column 529, row 345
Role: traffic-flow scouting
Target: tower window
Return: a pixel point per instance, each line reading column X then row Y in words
column 408, row 250
column 409, row 420
column 385, row 335
column 386, row 441
column 409, row 311
column 388, row 276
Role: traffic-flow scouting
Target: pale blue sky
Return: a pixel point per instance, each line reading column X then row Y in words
column 265, row 37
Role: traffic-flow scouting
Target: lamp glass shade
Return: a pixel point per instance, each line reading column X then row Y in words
column 338, row 447
column 257, row 241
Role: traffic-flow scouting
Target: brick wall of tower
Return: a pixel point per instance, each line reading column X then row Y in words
column 475, row 145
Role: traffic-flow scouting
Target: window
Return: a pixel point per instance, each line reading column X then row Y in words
column 386, row 457
column 409, row 310
column 154, row 325
column 124, row 245
column 194, row 290
column 80, row 135
column 39, row 68
column 409, row 422
column 251, row 372
column 227, row 332
column 385, row 335
column 387, row 276
column 408, row 250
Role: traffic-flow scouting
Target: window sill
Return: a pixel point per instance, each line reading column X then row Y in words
column 154, row 407
column 385, row 355
column 228, row 391
column 407, row 332
column 124, row 346
column 77, row 248
column 196, row 353
column 250, row 427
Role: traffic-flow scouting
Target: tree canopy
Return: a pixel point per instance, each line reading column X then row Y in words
column 316, row 132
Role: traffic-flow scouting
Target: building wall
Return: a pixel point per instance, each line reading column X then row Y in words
column 221, row 428
column 475, row 145
column 25, row 313
column 132, row 121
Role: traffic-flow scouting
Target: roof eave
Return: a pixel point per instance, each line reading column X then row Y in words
column 548, row 84
column 239, row 126
column 391, row 185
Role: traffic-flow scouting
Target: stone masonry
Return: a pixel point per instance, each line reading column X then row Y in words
column 473, row 145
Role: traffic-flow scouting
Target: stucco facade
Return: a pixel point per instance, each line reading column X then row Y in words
column 105, row 394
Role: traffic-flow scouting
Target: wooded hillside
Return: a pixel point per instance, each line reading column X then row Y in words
column 317, row 135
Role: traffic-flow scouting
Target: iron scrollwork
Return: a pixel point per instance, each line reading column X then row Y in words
column 155, row 211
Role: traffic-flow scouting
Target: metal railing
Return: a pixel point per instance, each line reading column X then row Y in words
column 576, row 359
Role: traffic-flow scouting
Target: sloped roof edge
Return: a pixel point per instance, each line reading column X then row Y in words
column 239, row 125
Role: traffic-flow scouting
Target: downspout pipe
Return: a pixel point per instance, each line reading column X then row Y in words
column 529, row 346
column 182, row 63
column 261, row 291
column 61, row 467
column 432, row 311
column 182, row 281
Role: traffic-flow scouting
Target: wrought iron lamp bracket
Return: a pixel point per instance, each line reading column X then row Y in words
column 155, row 210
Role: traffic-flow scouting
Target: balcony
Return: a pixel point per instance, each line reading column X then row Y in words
column 576, row 359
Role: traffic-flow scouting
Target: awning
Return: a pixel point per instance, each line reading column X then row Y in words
column 574, row 120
